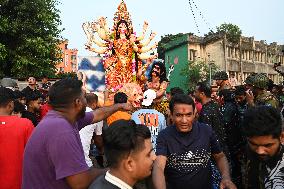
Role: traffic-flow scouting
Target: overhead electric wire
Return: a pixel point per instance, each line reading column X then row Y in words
column 194, row 16
column 202, row 16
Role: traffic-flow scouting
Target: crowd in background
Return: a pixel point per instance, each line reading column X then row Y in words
column 57, row 136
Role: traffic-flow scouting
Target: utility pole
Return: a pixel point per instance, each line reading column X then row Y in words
column 210, row 63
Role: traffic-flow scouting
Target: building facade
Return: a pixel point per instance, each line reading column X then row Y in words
column 69, row 58
column 238, row 60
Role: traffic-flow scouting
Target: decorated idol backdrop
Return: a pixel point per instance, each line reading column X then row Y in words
column 125, row 59
column 93, row 72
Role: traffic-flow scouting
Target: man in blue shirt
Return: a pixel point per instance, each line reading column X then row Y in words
column 184, row 150
column 150, row 117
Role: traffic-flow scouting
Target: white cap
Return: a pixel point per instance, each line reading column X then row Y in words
column 148, row 97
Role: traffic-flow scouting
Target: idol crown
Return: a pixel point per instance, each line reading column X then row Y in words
column 122, row 14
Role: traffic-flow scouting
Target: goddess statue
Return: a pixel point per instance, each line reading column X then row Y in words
column 123, row 50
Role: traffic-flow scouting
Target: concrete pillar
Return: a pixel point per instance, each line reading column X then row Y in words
column 225, row 49
column 240, row 60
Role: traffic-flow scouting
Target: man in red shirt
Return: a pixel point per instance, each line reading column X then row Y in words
column 14, row 134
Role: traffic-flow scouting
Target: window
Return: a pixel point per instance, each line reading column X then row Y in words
column 66, row 60
column 73, row 57
column 229, row 51
column 66, row 46
column 73, row 67
column 61, row 69
column 192, row 55
column 256, row 56
column 237, row 53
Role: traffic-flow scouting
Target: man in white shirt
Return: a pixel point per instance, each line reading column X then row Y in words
column 87, row 132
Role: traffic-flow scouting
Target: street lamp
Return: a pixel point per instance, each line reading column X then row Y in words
column 210, row 63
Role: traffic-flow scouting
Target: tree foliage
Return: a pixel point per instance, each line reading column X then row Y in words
column 197, row 71
column 233, row 32
column 164, row 41
column 29, row 36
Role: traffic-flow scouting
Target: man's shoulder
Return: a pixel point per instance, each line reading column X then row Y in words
column 26, row 89
column 202, row 125
column 55, row 122
column 142, row 110
column 54, row 115
column 119, row 113
column 265, row 95
column 168, row 131
column 203, row 128
column 101, row 182
column 267, row 98
column 209, row 105
column 23, row 122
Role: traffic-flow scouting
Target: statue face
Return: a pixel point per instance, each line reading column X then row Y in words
column 135, row 97
column 134, row 93
column 157, row 68
column 122, row 28
column 156, row 71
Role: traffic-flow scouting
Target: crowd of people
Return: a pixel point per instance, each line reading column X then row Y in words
column 59, row 136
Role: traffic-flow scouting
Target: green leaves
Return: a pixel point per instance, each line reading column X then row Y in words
column 28, row 37
column 197, row 71
column 233, row 32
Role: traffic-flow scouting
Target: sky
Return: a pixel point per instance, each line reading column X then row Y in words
column 262, row 19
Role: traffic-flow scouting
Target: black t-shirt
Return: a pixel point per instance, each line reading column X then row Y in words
column 188, row 156
column 211, row 115
column 29, row 91
column 31, row 116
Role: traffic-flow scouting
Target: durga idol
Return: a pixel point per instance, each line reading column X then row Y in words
column 123, row 51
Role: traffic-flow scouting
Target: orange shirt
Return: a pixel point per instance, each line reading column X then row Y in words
column 118, row 115
column 14, row 134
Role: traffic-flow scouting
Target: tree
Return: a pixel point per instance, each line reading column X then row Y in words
column 165, row 40
column 29, row 36
column 233, row 32
column 197, row 71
